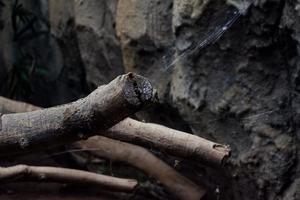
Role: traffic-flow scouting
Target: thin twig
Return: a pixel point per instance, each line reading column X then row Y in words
column 56, row 174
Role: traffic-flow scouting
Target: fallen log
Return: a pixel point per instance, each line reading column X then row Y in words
column 145, row 161
column 64, row 175
column 64, row 124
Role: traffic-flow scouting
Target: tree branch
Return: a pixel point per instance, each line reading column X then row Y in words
column 133, row 155
column 143, row 160
column 174, row 142
column 10, row 106
column 56, row 174
column 99, row 111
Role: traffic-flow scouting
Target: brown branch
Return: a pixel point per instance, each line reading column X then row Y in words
column 174, row 142
column 143, row 160
column 56, row 174
column 133, row 155
column 99, row 111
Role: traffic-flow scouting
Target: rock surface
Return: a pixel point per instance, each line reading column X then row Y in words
column 243, row 90
column 99, row 47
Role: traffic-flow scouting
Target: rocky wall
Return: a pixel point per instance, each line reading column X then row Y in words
column 242, row 90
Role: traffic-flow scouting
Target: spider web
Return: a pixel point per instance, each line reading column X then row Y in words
column 219, row 25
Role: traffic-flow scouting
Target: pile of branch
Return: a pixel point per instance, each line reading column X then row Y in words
column 103, row 114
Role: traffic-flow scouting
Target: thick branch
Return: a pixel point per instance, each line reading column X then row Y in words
column 99, row 111
column 55, row 174
column 142, row 159
column 172, row 141
column 131, row 154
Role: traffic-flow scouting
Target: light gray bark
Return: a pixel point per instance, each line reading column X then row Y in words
column 103, row 108
column 175, row 142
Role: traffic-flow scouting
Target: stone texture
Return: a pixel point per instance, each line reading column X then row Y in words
column 144, row 28
column 241, row 90
column 99, row 47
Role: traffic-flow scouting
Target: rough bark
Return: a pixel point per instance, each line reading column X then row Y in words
column 100, row 110
column 133, row 155
column 174, row 142
column 56, row 174
column 142, row 159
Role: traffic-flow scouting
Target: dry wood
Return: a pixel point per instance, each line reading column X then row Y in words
column 99, row 111
column 56, row 174
column 174, row 142
column 133, row 155
column 9, row 106
column 143, row 160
